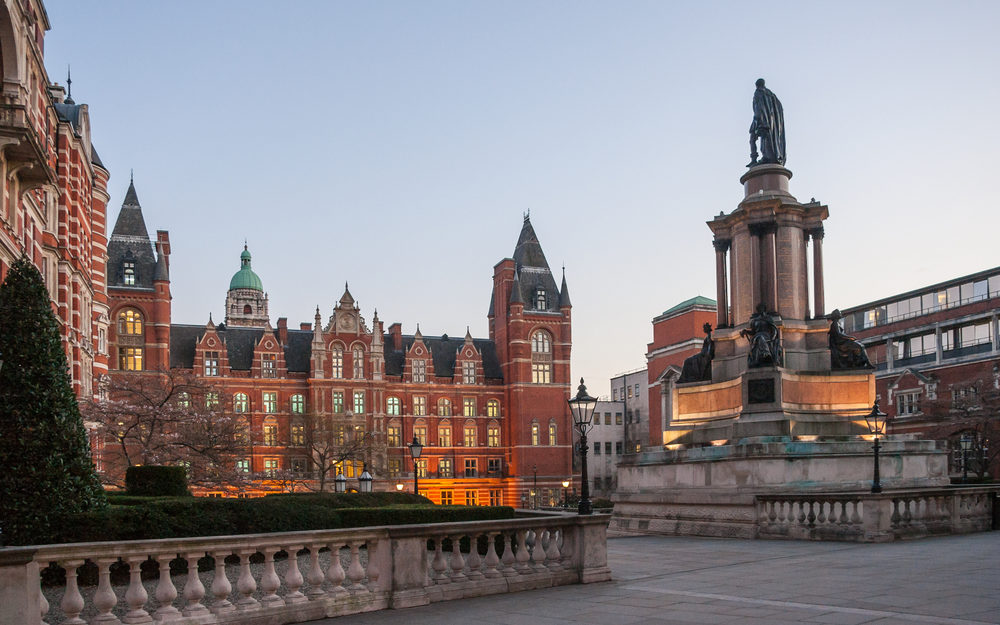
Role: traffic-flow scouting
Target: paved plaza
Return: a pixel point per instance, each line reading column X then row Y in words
column 678, row 581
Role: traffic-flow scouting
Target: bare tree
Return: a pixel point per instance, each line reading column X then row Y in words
column 334, row 440
column 972, row 411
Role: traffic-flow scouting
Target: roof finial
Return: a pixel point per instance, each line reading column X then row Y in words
column 69, row 86
column 131, row 176
column 527, row 215
column 244, row 243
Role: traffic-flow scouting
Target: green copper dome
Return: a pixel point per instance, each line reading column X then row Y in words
column 245, row 278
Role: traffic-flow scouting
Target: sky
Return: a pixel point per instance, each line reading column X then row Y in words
column 396, row 146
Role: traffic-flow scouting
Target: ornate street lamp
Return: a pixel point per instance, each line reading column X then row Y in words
column 582, row 407
column 966, row 443
column 399, row 486
column 365, row 480
column 876, row 425
column 340, row 483
column 565, row 485
column 415, row 450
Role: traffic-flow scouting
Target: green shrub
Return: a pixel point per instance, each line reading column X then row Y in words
column 156, row 481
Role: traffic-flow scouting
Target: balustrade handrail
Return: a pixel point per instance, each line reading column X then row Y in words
column 888, row 494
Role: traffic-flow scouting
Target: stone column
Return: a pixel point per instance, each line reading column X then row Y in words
column 805, row 276
column 770, row 268
column 819, row 303
column 721, row 284
column 938, row 347
column 890, row 354
column 756, row 288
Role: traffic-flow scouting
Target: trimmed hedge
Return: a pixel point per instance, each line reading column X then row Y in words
column 156, row 481
column 135, row 518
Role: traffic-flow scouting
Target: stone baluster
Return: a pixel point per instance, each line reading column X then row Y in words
column 72, row 601
column 105, row 599
column 522, row 556
column 43, row 603
column 896, row 516
column 246, row 585
column 842, row 517
column 856, row 512
column 492, row 560
column 811, row 515
column 457, row 562
column 821, row 517
column 439, row 565
column 373, row 571
column 166, row 592
column 315, row 576
column 553, row 557
column 293, row 577
column 136, row 595
column 474, row 562
column 269, row 581
column 194, row 590
column 508, row 558
column 356, row 572
column 537, row 552
column 221, row 586
column 335, row 572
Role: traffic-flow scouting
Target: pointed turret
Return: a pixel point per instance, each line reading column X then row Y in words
column 534, row 284
column 515, row 290
column 131, row 261
column 564, row 293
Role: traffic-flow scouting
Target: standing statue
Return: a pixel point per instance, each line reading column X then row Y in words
column 698, row 368
column 846, row 352
column 769, row 125
column 765, row 345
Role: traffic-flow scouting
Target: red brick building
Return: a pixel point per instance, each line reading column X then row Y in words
column 491, row 412
column 54, row 191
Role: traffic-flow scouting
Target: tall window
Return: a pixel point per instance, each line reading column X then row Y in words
column 130, row 322
column 211, row 400
column 541, row 358
column 496, row 497
column 907, row 403
column 359, row 402
column 211, row 363
column 445, row 468
column 241, row 403
column 268, row 366
column 130, row 358
column 419, row 370
column 270, row 401
column 552, row 432
column 444, row 407
column 421, row 467
column 359, row 362
column 493, row 436
column 492, row 408
column 270, row 466
column 419, row 406
column 297, row 404
column 469, row 407
column 470, row 467
column 337, row 361
column 130, row 340
column 128, row 273
column 394, row 466
column 535, row 436
column 469, row 436
column 297, row 434
column 493, row 466
column 392, row 406
column 444, row 435
column 338, row 402
column 270, row 433
column 540, row 299
column 468, row 373
column 394, row 436
column 183, row 400
column 420, row 432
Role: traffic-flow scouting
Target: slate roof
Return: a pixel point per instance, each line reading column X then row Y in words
column 130, row 242
column 444, row 348
column 240, row 344
column 94, row 158
column 533, row 271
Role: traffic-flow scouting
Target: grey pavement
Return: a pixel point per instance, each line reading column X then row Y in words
column 662, row 580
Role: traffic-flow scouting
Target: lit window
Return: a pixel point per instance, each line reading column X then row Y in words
column 535, row 434
column 297, row 434
column 270, row 434
column 471, row 498
column 541, row 343
column 337, row 362
column 359, row 402
column 270, row 401
column 183, row 400
column 419, row 406
column 243, row 465
column 444, row 407
column 358, row 358
column 392, row 406
column 469, row 406
column 541, row 373
column 492, row 408
column 395, row 467
column 241, row 403
column 444, row 436
column 338, row 402
column 469, row 436
column 421, row 467
column 270, row 466
column 394, row 436
column 419, row 371
column 552, row 432
column 211, row 364
column 130, row 358
column 297, row 404
column 420, row 432
column 493, row 436
column 130, row 322
column 445, row 468
column 468, row 373
column 128, row 273
column 211, row 400
column 268, row 366
column 446, row 498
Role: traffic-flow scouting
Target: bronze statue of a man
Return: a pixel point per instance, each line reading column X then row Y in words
column 768, row 125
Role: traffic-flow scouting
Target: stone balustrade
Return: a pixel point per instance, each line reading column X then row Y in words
column 876, row 517
column 296, row 577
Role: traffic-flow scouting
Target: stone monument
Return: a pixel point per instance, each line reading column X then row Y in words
column 783, row 407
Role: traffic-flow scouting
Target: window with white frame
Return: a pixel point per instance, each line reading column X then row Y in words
column 358, row 360
column 241, row 403
column 392, row 406
column 444, row 435
column 419, row 406
column 468, row 373
column 268, row 365
column 907, row 403
column 419, row 370
column 269, row 399
column 469, row 407
column 337, row 361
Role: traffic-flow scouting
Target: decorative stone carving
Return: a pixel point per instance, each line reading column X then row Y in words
column 698, row 368
column 846, row 352
column 765, row 342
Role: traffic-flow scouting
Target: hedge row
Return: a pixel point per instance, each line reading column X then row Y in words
column 177, row 517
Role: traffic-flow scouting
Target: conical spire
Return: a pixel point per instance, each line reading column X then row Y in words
column 131, row 199
column 534, row 283
column 564, row 292
column 515, row 289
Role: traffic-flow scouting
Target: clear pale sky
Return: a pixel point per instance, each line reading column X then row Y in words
column 396, row 146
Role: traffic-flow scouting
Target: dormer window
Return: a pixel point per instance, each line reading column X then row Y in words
column 128, row 273
column 540, row 302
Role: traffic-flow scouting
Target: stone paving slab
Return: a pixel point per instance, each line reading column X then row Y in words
column 667, row 580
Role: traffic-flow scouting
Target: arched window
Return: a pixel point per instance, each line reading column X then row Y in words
column 337, row 361
column 552, row 432
column 247, row 310
column 420, row 431
column 297, row 404
column 535, row 434
column 131, row 341
column 130, row 322
column 541, row 358
column 444, row 407
column 359, row 362
column 492, row 408
column 241, row 403
column 392, row 406
column 183, row 400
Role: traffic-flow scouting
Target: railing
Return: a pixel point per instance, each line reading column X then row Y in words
column 299, row 576
column 875, row 517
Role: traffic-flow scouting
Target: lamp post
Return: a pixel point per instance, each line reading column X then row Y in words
column 416, row 448
column 966, row 443
column 565, row 485
column 365, row 480
column 340, row 483
column 876, row 425
column 582, row 407
column 399, row 486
